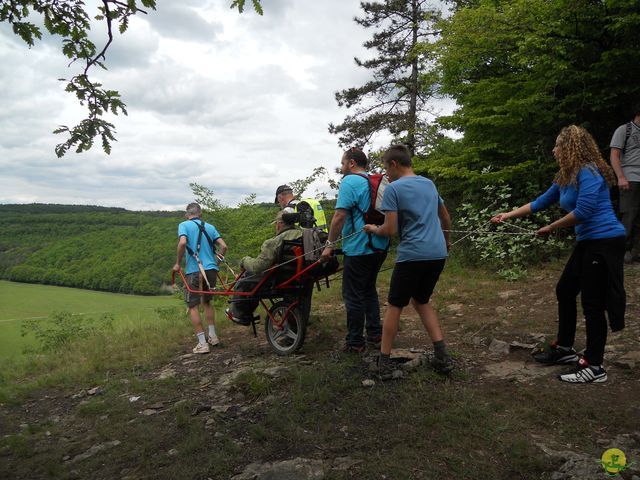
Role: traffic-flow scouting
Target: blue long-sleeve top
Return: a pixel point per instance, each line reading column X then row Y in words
column 590, row 203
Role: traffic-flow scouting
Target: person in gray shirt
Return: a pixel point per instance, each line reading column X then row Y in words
column 625, row 160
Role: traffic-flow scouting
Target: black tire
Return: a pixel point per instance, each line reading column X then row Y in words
column 289, row 337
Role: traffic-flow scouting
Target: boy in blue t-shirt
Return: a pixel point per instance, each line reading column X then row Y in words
column 197, row 238
column 415, row 211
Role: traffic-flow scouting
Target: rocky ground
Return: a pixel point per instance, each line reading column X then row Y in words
column 259, row 416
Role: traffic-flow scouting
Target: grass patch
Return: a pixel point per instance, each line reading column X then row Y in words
column 22, row 301
column 253, row 385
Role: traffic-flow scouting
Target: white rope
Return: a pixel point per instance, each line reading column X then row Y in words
column 273, row 267
column 515, row 226
column 488, row 232
column 462, row 238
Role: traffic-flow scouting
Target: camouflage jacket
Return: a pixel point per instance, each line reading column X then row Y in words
column 269, row 251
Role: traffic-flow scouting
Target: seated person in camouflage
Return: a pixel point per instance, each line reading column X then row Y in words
column 241, row 310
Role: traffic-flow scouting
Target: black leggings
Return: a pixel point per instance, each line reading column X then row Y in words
column 586, row 273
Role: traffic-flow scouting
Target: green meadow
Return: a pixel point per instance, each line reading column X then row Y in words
column 23, row 301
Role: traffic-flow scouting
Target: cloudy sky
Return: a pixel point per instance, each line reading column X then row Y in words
column 239, row 103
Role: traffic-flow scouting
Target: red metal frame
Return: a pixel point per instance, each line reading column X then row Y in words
column 228, row 289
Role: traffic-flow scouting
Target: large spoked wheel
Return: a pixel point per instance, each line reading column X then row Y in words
column 285, row 327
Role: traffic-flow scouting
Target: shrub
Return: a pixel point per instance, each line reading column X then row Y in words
column 513, row 245
column 61, row 328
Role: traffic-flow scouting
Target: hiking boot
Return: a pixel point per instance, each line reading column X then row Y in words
column 442, row 363
column 374, row 342
column 552, row 355
column 213, row 340
column 353, row 349
column 245, row 322
column 584, row 373
column 201, row 348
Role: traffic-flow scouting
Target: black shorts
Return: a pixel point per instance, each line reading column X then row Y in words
column 414, row 280
column 193, row 280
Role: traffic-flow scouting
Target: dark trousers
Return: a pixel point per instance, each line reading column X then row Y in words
column 586, row 273
column 361, row 297
column 629, row 210
column 241, row 306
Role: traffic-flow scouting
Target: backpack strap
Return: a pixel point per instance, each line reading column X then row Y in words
column 201, row 231
column 626, row 136
column 353, row 226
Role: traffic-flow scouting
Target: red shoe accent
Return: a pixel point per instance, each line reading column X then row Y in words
column 583, row 363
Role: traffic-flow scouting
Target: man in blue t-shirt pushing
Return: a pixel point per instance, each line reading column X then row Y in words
column 199, row 240
column 362, row 257
column 414, row 210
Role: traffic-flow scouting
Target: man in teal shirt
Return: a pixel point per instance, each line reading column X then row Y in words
column 363, row 255
column 198, row 238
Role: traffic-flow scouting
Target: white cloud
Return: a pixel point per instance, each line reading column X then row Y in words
column 240, row 103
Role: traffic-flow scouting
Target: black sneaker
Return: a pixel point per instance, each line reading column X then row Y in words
column 584, row 373
column 442, row 363
column 245, row 322
column 552, row 355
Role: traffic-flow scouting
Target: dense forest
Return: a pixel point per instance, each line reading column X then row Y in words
column 112, row 249
column 518, row 71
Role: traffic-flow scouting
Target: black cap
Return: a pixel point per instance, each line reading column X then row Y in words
column 282, row 189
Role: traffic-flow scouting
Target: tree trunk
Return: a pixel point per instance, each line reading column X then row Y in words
column 413, row 84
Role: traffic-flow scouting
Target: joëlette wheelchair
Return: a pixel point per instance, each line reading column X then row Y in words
column 284, row 290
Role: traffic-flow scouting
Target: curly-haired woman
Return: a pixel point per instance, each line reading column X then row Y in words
column 595, row 268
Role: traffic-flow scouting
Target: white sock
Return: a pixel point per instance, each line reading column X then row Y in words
column 201, row 338
column 212, row 331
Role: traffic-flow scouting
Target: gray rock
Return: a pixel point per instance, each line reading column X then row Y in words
column 94, row 450
column 95, row 391
column 274, row 372
column 515, row 370
column 454, row 307
column 80, row 394
column 508, row 294
column 628, row 361
column 173, row 452
column 221, row 408
column 536, row 338
column 579, row 466
column 167, row 373
column 296, row 469
column 525, row 346
column 343, row 463
column 498, row 347
column 412, row 364
column 368, row 383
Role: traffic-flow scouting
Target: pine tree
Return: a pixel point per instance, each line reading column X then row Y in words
column 394, row 100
